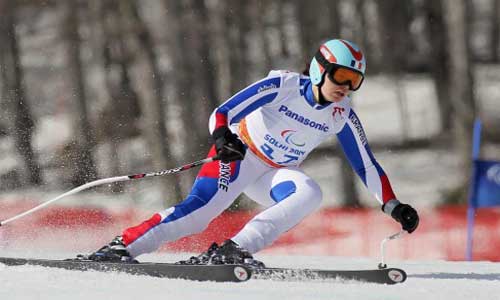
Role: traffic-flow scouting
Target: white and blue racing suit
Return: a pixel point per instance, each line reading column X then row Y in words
column 279, row 121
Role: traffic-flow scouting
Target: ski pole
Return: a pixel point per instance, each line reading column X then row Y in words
column 382, row 264
column 111, row 180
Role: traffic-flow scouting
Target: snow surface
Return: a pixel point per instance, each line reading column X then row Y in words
column 426, row 280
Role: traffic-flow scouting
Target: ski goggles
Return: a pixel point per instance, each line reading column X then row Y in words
column 339, row 74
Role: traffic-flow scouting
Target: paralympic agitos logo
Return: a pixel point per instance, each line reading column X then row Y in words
column 291, row 138
column 301, row 119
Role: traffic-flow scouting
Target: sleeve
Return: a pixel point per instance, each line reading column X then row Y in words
column 247, row 100
column 353, row 140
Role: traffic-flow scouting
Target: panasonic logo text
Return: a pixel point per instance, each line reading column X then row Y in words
column 301, row 119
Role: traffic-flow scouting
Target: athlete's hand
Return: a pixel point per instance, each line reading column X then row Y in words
column 228, row 146
column 403, row 213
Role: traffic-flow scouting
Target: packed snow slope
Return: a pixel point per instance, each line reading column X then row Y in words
column 426, row 280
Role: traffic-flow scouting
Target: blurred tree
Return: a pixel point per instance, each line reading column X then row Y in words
column 439, row 60
column 119, row 118
column 370, row 31
column 259, row 13
column 281, row 25
column 204, row 70
column 84, row 168
column 221, row 52
column 495, row 31
column 238, row 29
column 350, row 197
column 364, row 41
column 306, row 15
column 331, row 25
column 314, row 30
column 395, row 19
column 185, row 74
column 461, row 89
column 21, row 125
column 152, row 100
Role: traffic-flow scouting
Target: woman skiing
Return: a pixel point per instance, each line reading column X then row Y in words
column 261, row 135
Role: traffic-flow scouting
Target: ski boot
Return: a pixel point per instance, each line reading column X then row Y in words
column 231, row 253
column 115, row 251
column 227, row 253
column 203, row 258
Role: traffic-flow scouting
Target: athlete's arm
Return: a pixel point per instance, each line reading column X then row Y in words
column 247, row 100
column 353, row 140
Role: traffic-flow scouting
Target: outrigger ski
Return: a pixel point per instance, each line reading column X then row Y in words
column 219, row 273
column 382, row 276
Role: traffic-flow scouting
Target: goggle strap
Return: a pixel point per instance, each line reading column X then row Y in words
column 322, row 60
column 326, row 64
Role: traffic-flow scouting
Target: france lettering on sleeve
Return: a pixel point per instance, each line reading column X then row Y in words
column 246, row 101
column 355, row 145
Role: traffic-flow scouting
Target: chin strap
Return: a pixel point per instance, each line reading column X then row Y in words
column 321, row 99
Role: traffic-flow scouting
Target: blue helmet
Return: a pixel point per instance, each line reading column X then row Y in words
column 336, row 52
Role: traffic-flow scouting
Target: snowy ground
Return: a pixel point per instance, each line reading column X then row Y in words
column 427, row 280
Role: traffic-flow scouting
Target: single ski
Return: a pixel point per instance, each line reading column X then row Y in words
column 220, row 273
column 382, row 276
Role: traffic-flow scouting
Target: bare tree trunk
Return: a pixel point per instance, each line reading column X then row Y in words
column 206, row 54
column 154, row 106
column 259, row 13
column 22, row 124
column 184, row 76
column 495, row 31
column 365, row 41
column 118, row 120
column 281, row 24
column 221, row 38
column 335, row 23
column 314, row 30
column 462, row 87
column 84, row 165
column 439, row 61
column 395, row 33
column 237, row 22
column 351, row 196
column 206, row 81
column 307, row 15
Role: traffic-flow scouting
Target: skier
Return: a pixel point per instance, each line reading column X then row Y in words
column 261, row 135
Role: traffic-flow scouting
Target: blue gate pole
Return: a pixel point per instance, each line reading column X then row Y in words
column 471, row 209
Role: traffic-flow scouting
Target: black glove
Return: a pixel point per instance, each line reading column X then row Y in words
column 403, row 213
column 228, row 146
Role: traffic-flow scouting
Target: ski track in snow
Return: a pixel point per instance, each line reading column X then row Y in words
column 426, row 280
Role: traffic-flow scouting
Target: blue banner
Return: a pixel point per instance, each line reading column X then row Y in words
column 486, row 184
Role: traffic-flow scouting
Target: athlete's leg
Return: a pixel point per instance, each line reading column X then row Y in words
column 215, row 188
column 290, row 196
